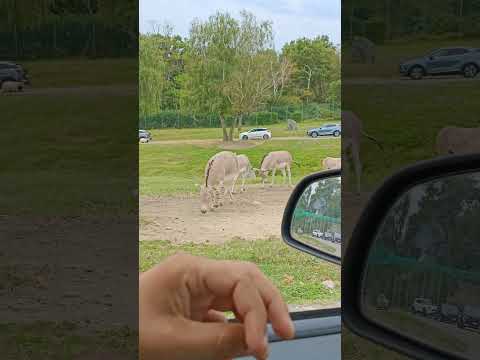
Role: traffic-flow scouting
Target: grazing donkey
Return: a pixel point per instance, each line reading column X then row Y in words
column 352, row 130
column 245, row 169
column 456, row 140
column 281, row 160
column 330, row 163
column 221, row 169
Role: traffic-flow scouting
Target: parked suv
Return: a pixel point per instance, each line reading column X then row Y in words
column 382, row 302
column 448, row 313
column 12, row 72
column 144, row 136
column 455, row 60
column 424, row 306
column 469, row 317
column 329, row 129
column 257, row 133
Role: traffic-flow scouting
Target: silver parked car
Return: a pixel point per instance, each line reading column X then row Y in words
column 328, row 129
column 455, row 60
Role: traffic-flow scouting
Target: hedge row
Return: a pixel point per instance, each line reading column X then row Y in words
column 175, row 119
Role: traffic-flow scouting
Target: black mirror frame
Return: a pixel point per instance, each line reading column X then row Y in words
column 290, row 208
column 357, row 251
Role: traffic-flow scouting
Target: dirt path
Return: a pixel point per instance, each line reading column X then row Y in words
column 255, row 214
column 94, row 90
column 249, row 143
column 429, row 80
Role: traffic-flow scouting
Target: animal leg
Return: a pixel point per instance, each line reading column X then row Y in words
column 211, row 198
column 234, row 183
column 284, row 175
column 273, row 176
column 358, row 165
column 243, row 183
column 289, row 176
column 221, row 194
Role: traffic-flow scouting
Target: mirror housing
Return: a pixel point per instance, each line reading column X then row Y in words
column 356, row 256
column 289, row 212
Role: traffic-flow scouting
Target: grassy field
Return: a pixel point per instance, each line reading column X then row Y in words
column 297, row 275
column 407, row 119
column 278, row 130
column 74, row 148
column 176, row 168
column 60, row 341
column 389, row 56
column 81, row 72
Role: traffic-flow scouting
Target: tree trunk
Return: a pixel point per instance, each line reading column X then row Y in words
column 232, row 128
column 240, row 124
column 224, row 128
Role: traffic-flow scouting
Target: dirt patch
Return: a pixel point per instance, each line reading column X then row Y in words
column 255, row 214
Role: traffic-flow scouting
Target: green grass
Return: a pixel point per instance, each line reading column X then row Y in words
column 389, row 56
column 407, row 120
column 176, row 168
column 297, row 275
column 278, row 130
column 67, row 141
column 356, row 348
column 81, row 72
column 62, row 341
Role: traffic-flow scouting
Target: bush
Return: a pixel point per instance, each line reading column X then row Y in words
column 174, row 119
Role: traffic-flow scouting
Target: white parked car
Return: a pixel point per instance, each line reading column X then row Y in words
column 424, row 306
column 256, row 133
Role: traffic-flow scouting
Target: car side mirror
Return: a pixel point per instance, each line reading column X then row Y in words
column 312, row 217
column 411, row 270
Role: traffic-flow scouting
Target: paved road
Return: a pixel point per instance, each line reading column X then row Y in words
column 407, row 81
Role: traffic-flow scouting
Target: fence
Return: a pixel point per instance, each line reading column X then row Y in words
column 268, row 116
column 67, row 36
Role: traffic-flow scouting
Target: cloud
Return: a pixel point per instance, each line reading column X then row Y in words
column 291, row 18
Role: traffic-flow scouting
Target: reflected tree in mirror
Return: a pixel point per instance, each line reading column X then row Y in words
column 422, row 278
column 316, row 219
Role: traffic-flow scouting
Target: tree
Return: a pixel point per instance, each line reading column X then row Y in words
column 161, row 58
column 226, row 70
column 316, row 64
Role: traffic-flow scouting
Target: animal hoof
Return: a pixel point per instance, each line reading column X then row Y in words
column 215, row 206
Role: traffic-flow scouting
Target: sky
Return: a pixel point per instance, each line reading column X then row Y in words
column 291, row 19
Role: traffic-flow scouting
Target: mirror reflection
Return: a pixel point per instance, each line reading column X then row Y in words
column 316, row 220
column 422, row 278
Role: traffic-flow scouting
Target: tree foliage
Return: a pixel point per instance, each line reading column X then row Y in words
column 228, row 67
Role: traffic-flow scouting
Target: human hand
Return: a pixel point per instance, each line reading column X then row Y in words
column 181, row 305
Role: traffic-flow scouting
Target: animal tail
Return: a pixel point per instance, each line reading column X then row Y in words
column 373, row 139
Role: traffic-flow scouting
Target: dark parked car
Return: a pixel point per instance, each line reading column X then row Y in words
column 469, row 317
column 328, row 129
column 10, row 71
column 455, row 60
column 144, row 136
column 448, row 313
